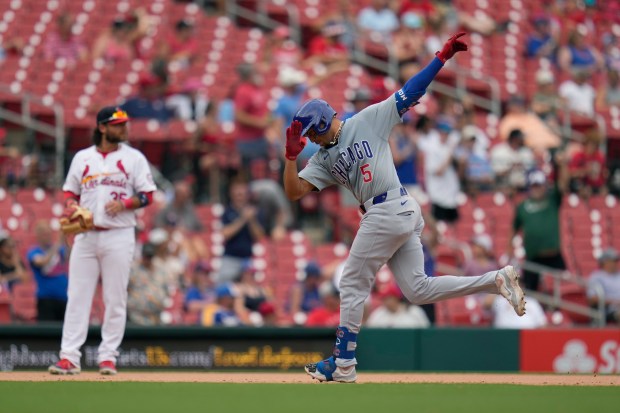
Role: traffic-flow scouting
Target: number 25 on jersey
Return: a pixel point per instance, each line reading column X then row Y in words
column 118, row 196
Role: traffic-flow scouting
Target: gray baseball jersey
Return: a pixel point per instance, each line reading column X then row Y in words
column 361, row 160
column 390, row 230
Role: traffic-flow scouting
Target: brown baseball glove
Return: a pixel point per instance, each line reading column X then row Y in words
column 76, row 219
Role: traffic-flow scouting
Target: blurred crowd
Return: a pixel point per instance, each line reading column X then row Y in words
column 575, row 43
column 234, row 156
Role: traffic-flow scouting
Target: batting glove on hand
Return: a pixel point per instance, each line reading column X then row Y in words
column 295, row 143
column 451, row 47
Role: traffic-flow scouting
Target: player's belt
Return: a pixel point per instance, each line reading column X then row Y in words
column 97, row 228
column 386, row 196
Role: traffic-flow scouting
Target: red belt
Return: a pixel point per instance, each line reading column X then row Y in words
column 96, row 228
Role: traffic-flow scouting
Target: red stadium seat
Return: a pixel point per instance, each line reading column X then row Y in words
column 24, row 302
column 576, row 297
column 462, row 311
column 448, row 256
column 5, row 306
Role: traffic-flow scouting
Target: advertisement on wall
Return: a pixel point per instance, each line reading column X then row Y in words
column 172, row 354
column 571, row 351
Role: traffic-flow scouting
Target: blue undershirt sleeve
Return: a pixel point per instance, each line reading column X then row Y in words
column 414, row 89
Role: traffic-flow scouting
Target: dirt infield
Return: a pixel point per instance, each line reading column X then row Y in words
column 479, row 378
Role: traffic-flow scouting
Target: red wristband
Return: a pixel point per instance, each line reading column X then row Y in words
column 70, row 198
column 128, row 203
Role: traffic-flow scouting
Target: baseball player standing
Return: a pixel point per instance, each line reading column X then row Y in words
column 111, row 179
column 355, row 154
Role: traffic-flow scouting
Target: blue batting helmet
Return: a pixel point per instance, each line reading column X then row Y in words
column 315, row 114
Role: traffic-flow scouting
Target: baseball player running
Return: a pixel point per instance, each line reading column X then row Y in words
column 111, row 179
column 355, row 154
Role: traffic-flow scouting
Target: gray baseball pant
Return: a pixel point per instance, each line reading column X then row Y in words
column 390, row 233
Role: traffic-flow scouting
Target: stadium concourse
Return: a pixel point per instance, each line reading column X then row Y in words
column 157, row 53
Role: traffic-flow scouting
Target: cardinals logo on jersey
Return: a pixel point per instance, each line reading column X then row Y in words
column 88, row 181
column 121, row 168
column 105, row 179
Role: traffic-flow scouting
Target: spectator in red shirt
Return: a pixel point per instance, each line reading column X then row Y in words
column 208, row 149
column 574, row 12
column 587, row 168
column 430, row 13
column 344, row 13
column 252, row 115
column 408, row 44
column 11, row 47
column 115, row 45
column 62, row 43
column 121, row 41
column 181, row 46
column 280, row 50
column 327, row 50
column 423, row 7
column 327, row 315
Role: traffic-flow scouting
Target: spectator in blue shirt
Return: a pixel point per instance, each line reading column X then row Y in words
column 201, row 292
column 149, row 103
column 49, row 261
column 476, row 171
column 305, row 295
column 222, row 314
column 242, row 227
column 541, row 42
column 403, row 144
column 377, row 20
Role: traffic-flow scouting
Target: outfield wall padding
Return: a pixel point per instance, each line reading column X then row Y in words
column 34, row 347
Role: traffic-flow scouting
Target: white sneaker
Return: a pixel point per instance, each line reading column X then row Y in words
column 326, row 370
column 507, row 281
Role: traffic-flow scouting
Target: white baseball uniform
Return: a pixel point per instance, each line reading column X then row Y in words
column 108, row 251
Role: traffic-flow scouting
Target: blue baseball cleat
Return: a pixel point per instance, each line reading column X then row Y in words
column 326, row 370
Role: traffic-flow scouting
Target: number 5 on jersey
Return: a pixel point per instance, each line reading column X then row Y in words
column 366, row 173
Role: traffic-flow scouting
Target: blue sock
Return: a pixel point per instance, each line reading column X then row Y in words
column 346, row 342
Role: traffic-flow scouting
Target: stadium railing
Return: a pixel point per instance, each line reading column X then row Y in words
column 562, row 284
column 26, row 120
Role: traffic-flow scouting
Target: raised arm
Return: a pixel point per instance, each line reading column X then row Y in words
column 415, row 87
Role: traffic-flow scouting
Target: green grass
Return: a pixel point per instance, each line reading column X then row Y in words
column 94, row 397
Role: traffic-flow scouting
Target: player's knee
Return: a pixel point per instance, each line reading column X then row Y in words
column 417, row 293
